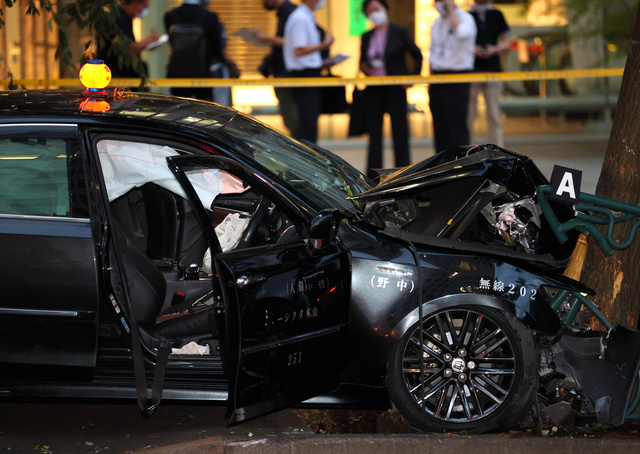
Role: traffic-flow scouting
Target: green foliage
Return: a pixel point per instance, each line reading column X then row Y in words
column 96, row 16
column 615, row 20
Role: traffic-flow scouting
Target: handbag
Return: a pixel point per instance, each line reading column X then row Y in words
column 358, row 113
column 333, row 99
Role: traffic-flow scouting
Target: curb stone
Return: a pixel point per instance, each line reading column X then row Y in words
column 399, row 444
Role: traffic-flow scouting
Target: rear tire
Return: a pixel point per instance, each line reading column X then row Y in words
column 480, row 369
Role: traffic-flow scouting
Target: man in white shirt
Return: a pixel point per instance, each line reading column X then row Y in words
column 453, row 38
column 301, row 51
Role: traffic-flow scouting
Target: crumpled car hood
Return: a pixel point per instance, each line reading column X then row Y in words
column 489, row 161
column 475, row 195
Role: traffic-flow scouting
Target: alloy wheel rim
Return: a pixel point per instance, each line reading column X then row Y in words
column 467, row 363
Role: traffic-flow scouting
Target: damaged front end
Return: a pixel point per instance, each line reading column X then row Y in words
column 590, row 374
column 484, row 200
column 484, row 195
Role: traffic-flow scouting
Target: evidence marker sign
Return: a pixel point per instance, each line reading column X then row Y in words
column 565, row 184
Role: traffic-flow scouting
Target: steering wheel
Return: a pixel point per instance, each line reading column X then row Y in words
column 261, row 207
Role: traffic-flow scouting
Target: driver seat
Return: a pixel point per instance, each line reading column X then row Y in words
column 190, row 319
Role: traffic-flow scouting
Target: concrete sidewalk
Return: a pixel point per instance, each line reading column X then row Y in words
column 397, row 444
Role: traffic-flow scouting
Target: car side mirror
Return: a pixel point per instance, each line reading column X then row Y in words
column 324, row 228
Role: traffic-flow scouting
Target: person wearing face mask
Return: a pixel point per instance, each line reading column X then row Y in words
column 492, row 39
column 382, row 53
column 273, row 63
column 301, row 50
column 453, row 38
column 126, row 12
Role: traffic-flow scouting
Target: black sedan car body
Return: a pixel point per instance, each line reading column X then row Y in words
column 164, row 245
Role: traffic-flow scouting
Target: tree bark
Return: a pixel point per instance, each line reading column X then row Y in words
column 616, row 279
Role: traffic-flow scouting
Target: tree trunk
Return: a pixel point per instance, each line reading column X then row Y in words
column 617, row 278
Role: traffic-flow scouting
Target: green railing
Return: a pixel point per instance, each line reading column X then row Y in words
column 611, row 213
column 592, row 211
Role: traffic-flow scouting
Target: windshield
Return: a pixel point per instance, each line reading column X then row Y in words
column 320, row 177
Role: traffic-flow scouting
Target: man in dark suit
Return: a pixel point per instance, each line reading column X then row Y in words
column 382, row 53
column 192, row 12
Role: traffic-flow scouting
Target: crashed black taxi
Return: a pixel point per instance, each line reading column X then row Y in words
column 157, row 247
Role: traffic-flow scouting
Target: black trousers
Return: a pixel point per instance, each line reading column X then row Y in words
column 309, row 101
column 449, row 104
column 203, row 93
column 392, row 100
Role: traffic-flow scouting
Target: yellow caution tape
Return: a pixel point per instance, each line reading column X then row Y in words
column 336, row 81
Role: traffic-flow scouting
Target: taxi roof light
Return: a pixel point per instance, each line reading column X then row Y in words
column 95, row 76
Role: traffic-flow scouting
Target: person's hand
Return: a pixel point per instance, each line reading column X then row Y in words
column 483, row 52
column 262, row 37
column 153, row 36
column 491, row 50
column 328, row 40
column 138, row 47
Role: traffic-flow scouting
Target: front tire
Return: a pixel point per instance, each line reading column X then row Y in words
column 479, row 367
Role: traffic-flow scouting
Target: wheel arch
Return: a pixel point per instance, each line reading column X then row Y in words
column 538, row 317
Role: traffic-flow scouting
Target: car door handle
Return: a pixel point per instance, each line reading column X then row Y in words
column 244, row 280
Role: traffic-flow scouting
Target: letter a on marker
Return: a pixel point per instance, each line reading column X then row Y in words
column 566, row 185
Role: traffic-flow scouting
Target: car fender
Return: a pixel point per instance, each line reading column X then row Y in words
column 545, row 320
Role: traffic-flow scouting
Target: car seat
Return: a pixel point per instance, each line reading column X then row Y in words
column 191, row 318
column 173, row 228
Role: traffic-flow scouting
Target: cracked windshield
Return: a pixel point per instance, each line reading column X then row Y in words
column 321, row 177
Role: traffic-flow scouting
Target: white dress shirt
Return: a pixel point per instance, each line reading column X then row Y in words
column 301, row 31
column 453, row 50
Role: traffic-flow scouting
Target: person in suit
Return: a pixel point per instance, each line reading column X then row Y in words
column 193, row 12
column 382, row 53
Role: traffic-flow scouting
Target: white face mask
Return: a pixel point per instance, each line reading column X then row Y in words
column 442, row 8
column 142, row 14
column 378, row 17
column 320, row 4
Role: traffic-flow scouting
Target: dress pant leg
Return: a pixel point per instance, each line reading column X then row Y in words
column 288, row 108
column 397, row 109
column 309, row 102
column 437, row 105
column 472, row 113
column 492, row 95
column 456, row 107
column 374, row 97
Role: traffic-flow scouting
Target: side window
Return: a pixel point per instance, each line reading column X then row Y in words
column 34, row 177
